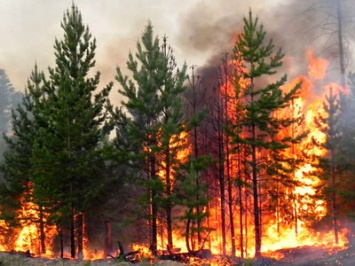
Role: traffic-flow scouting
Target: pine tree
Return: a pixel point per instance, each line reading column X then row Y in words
column 192, row 196
column 196, row 110
column 17, row 169
column 261, row 101
column 153, row 119
column 328, row 123
column 67, row 159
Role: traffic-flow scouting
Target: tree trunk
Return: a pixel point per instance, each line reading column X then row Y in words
column 332, row 172
column 61, row 244
column 108, row 237
column 255, row 186
column 72, row 234
column 228, row 159
column 168, row 198
column 340, row 44
column 187, row 234
column 334, row 214
column 257, row 225
column 80, row 234
column 194, row 83
column 221, row 180
column 42, row 233
column 241, row 239
column 154, row 208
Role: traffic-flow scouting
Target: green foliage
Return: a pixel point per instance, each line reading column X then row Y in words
column 16, row 167
column 258, row 121
column 67, row 154
column 192, row 194
column 55, row 157
column 151, row 122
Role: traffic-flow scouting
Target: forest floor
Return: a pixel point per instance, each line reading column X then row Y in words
column 300, row 256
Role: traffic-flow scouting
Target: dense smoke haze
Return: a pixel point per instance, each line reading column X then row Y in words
column 200, row 31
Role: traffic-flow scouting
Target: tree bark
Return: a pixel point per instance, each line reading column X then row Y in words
column 42, row 233
column 340, row 43
column 108, row 237
column 80, row 234
column 154, row 207
column 72, row 234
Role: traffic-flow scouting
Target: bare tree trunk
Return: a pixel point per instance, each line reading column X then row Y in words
column 72, row 234
column 227, row 156
column 80, row 234
column 194, row 82
column 154, row 207
column 168, row 195
column 340, row 43
column 241, row 239
column 42, row 233
column 221, row 180
column 333, row 177
column 108, row 237
column 334, row 211
column 255, row 187
column 61, row 244
column 246, row 224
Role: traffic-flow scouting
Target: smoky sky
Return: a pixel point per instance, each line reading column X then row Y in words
column 200, row 31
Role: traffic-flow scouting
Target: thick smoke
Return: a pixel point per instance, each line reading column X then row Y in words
column 200, row 31
column 294, row 27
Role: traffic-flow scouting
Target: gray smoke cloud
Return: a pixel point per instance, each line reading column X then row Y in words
column 295, row 26
column 200, row 31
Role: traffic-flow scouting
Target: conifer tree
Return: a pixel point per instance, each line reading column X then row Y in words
column 17, row 186
column 328, row 123
column 67, row 159
column 193, row 197
column 260, row 101
column 153, row 120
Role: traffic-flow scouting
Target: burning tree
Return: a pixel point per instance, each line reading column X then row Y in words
column 258, row 123
column 17, row 170
column 60, row 126
column 328, row 123
column 154, row 119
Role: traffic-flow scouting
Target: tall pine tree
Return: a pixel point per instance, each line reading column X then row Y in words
column 26, row 119
column 328, row 123
column 261, row 100
column 67, row 157
column 153, row 118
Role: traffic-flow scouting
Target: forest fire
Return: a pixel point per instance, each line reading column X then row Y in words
column 258, row 192
column 287, row 228
column 290, row 227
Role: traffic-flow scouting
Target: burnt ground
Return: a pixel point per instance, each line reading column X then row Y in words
column 300, row 256
column 317, row 256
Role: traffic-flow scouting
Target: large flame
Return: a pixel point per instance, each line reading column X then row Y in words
column 286, row 230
